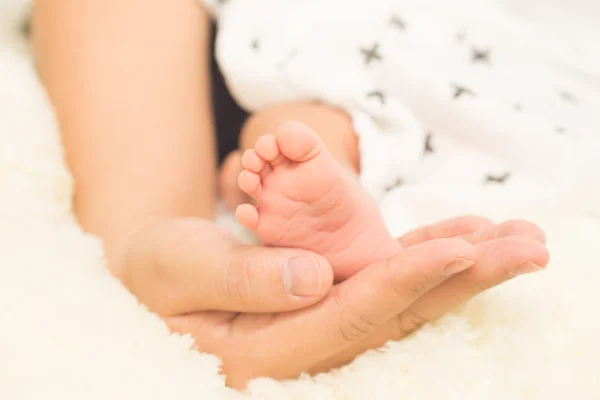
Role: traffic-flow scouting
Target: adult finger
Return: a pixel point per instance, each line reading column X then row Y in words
column 497, row 261
column 366, row 301
column 446, row 229
column 182, row 266
column 508, row 228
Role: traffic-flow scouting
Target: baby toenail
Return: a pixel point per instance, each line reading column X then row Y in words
column 302, row 276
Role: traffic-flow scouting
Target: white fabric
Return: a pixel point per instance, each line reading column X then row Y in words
column 70, row 331
column 527, row 112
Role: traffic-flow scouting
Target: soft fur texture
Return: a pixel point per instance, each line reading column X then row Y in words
column 70, row 331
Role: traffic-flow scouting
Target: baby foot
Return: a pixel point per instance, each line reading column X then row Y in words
column 305, row 199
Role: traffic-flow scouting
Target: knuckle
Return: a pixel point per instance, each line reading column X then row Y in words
column 404, row 285
column 477, row 283
column 408, row 322
column 352, row 325
column 240, row 281
column 410, row 290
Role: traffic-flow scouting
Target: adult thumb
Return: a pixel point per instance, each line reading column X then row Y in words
column 185, row 266
column 263, row 279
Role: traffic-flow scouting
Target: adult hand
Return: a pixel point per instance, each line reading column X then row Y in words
column 262, row 328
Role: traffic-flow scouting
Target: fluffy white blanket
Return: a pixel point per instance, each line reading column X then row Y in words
column 70, row 331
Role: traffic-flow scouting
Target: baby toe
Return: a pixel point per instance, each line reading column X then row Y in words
column 298, row 142
column 247, row 215
column 252, row 161
column 249, row 182
column 266, row 147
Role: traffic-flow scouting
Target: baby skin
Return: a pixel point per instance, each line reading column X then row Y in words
column 304, row 198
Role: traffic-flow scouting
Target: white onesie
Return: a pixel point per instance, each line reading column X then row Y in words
column 443, row 94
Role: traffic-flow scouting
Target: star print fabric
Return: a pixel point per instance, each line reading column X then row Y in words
column 441, row 92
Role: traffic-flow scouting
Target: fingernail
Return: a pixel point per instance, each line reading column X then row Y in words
column 302, row 277
column 457, row 265
column 527, row 268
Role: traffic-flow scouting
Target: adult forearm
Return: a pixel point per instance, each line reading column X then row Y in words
column 129, row 82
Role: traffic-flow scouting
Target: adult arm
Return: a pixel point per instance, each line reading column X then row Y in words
column 130, row 84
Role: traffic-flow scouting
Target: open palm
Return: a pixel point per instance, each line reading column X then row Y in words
column 386, row 301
